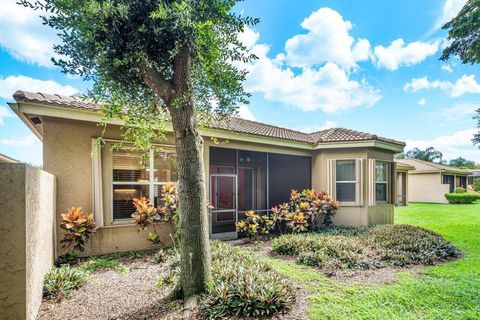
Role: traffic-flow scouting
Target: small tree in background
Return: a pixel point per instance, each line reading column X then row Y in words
column 464, row 37
column 155, row 62
column 429, row 154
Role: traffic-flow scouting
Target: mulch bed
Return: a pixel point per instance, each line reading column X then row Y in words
column 111, row 295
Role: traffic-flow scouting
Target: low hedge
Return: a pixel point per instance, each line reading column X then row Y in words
column 370, row 248
column 462, row 198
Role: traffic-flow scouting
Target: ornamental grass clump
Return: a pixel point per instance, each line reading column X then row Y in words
column 244, row 286
column 60, row 282
column 79, row 227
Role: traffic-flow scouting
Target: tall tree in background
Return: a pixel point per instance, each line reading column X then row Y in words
column 464, row 34
column 429, row 154
column 463, row 163
column 154, row 62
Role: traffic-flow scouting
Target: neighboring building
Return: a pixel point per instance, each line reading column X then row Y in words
column 429, row 181
column 7, row 159
column 256, row 169
column 474, row 175
column 402, row 183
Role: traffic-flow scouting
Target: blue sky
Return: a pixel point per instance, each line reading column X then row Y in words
column 366, row 65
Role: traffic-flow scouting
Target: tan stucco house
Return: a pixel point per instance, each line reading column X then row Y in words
column 429, row 182
column 254, row 170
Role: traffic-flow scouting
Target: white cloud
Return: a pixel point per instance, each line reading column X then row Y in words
column 245, row 113
column 27, row 141
column 450, row 10
column 400, row 54
column 327, row 40
column 458, row 111
column 422, row 102
column 5, row 113
column 326, row 125
column 463, row 85
column 447, row 68
column 328, row 88
column 248, row 37
column 417, row 84
column 10, row 84
column 452, row 146
column 24, row 36
column 466, row 84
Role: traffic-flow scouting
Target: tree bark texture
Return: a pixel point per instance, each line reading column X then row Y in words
column 194, row 243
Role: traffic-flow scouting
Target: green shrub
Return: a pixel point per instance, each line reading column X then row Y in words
column 244, row 286
column 460, row 190
column 401, row 245
column 60, row 282
column 365, row 247
column 462, row 198
column 105, row 262
column 476, row 184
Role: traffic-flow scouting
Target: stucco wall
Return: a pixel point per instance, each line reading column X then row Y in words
column 27, row 206
column 67, row 150
column 426, row 187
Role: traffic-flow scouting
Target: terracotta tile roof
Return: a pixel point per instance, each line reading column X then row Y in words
column 234, row 124
column 425, row 166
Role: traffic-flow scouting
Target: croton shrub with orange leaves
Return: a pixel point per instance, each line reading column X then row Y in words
column 146, row 214
column 79, row 226
column 307, row 210
column 255, row 225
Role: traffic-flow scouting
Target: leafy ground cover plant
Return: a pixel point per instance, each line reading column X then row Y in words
column 61, row 281
column 462, row 198
column 242, row 285
column 365, row 248
column 106, row 263
column 79, row 227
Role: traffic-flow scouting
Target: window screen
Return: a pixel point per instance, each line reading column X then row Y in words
column 287, row 172
column 381, row 181
column 345, row 180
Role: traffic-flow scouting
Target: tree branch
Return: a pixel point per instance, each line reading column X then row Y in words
column 164, row 89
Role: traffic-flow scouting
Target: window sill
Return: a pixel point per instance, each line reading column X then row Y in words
column 118, row 225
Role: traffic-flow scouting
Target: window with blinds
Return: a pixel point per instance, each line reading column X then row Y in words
column 135, row 176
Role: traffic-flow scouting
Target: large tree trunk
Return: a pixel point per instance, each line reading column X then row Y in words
column 195, row 247
column 194, row 242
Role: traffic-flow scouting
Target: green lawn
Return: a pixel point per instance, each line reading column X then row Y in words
column 448, row 291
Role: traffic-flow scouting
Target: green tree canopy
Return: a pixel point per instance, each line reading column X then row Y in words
column 464, row 37
column 153, row 62
column 464, row 34
column 461, row 162
column 429, row 154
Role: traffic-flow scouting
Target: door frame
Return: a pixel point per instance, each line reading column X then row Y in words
column 223, row 235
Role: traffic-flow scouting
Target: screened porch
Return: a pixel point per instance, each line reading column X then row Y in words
column 242, row 180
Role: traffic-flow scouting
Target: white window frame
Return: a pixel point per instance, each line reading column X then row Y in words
column 332, row 181
column 151, row 181
column 354, row 182
column 387, row 182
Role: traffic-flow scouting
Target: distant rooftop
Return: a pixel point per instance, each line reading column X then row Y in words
column 426, row 166
column 235, row 124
